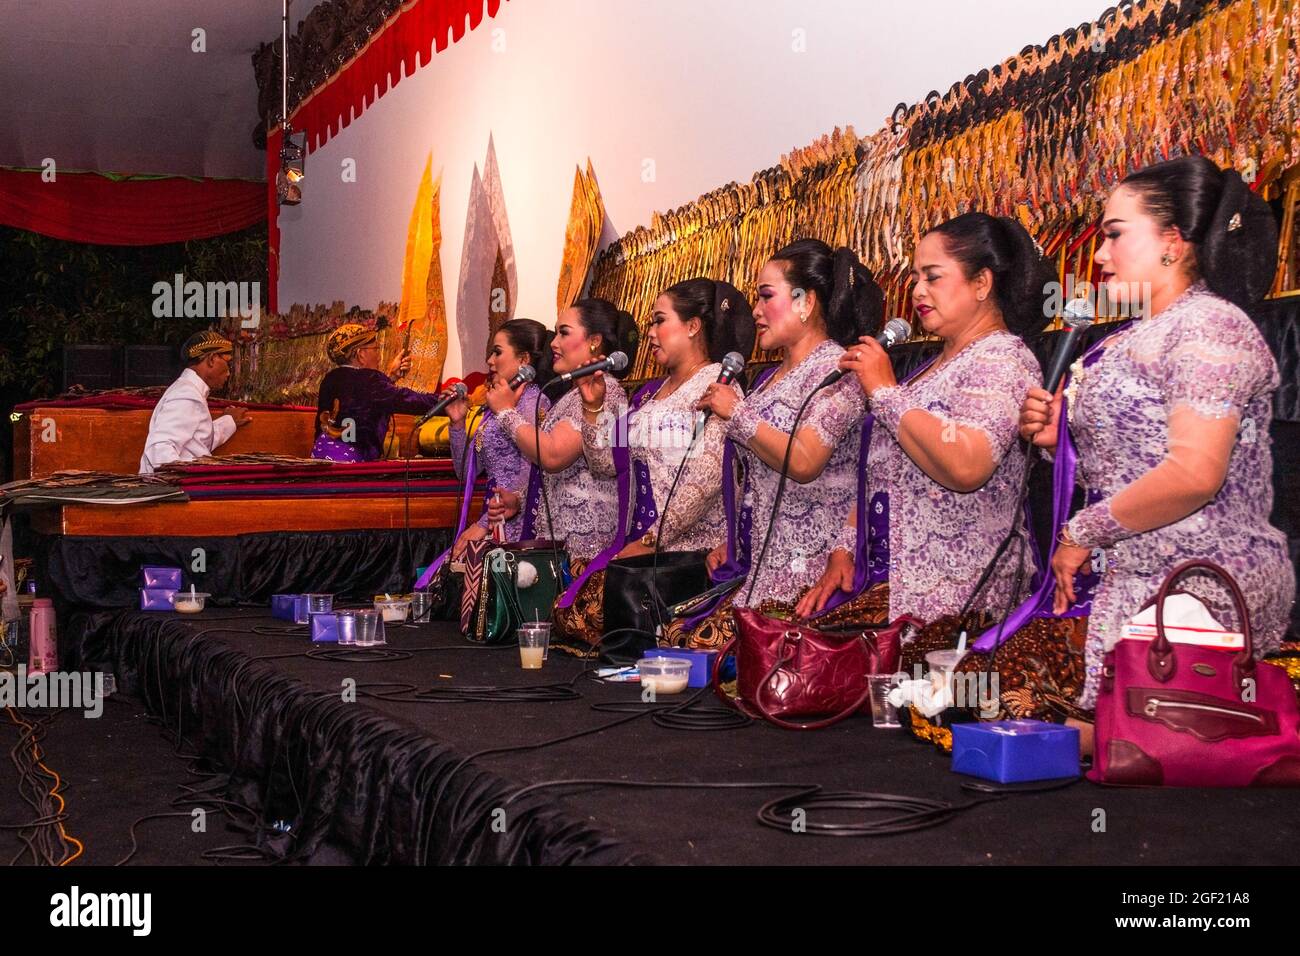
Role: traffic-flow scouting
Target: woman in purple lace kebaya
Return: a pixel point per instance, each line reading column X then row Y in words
column 694, row 325
column 944, row 468
column 1171, row 423
column 583, row 506
column 811, row 300
column 518, row 342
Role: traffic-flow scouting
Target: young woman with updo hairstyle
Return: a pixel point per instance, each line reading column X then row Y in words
column 693, row 325
column 1170, row 420
column 945, row 467
column 583, row 506
column 517, row 343
column 812, row 302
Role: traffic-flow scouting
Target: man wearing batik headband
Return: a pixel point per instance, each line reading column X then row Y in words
column 356, row 400
column 182, row 428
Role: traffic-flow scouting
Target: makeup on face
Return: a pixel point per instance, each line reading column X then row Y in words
column 776, row 316
column 669, row 336
column 943, row 299
column 1131, row 249
column 502, row 361
column 570, row 348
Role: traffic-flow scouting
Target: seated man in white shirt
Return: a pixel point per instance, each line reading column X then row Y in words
column 182, row 428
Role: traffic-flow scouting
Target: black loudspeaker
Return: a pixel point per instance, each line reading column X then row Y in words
column 92, row 366
column 152, row 365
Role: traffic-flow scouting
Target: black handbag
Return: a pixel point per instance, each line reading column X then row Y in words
column 637, row 596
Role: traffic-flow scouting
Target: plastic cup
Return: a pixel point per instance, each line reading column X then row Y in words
column 320, row 603
column 543, row 628
column 421, row 606
column 345, row 626
column 368, row 622
column 942, row 665
column 883, row 713
column 533, row 642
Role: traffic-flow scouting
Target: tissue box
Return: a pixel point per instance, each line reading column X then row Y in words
column 156, row 599
column 169, row 578
column 324, row 628
column 701, row 663
column 1015, row 751
column 289, row 607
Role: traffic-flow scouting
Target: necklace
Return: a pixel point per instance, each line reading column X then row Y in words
column 659, row 392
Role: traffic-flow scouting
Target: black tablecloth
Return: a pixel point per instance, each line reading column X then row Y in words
column 360, row 779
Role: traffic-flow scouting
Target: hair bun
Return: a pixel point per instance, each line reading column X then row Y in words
column 733, row 321
column 1238, row 253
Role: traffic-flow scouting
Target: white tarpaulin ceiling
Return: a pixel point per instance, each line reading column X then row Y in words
column 117, row 86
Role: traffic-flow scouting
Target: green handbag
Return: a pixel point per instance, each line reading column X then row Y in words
column 503, row 604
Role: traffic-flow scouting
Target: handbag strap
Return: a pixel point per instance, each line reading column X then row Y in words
column 1160, row 654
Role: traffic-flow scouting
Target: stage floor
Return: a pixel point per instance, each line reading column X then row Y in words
column 360, row 779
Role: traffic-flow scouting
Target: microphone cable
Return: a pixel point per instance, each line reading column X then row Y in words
column 780, row 492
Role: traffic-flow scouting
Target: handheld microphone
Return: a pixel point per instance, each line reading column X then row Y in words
column 733, row 363
column 526, row 373
column 1078, row 316
column 457, row 391
column 615, row 363
column 896, row 330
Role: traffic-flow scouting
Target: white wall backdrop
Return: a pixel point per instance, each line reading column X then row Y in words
column 709, row 91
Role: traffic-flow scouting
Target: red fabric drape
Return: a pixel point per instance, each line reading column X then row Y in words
column 409, row 39
column 87, row 207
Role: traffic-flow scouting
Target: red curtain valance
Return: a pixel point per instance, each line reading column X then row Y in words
column 88, row 207
column 408, row 40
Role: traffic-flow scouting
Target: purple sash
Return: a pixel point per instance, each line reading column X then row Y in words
column 644, row 510
column 1039, row 604
column 871, row 556
column 471, row 472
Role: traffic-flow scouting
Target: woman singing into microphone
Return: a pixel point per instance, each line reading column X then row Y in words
column 1171, row 420
column 945, row 468
column 518, row 342
column 812, row 301
column 693, row 326
column 583, row 506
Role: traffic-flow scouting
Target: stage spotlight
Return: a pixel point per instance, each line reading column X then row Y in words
column 293, row 159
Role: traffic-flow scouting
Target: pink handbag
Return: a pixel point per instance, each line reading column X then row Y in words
column 1188, row 716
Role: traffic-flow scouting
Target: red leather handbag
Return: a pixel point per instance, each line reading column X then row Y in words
column 1179, row 715
column 788, row 672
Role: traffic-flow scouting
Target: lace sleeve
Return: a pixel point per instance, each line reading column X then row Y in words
column 1191, row 474
column 1216, row 363
column 834, row 411
column 987, row 392
column 457, row 435
column 701, row 485
column 598, row 444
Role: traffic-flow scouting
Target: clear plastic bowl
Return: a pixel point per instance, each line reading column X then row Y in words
column 186, row 602
column 664, row 675
column 394, row 610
